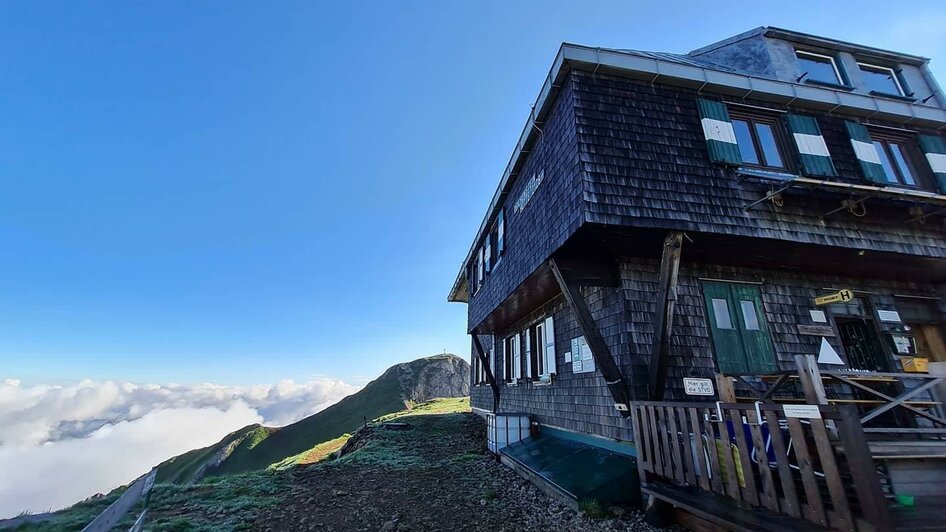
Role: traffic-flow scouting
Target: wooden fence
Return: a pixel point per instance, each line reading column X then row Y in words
column 811, row 463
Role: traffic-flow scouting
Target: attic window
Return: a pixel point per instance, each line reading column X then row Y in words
column 880, row 79
column 896, row 157
column 759, row 137
column 818, row 68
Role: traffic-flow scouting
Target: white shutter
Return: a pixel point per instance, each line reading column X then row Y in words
column 528, row 355
column 550, row 366
column 516, row 359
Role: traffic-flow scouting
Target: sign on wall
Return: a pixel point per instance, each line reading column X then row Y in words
column 698, row 386
column 582, row 359
column 802, row 411
column 840, row 296
column 888, row 316
column 528, row 191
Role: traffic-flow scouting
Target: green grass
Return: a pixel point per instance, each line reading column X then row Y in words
column 182, row 469
column 319, row 453
column 592, row 508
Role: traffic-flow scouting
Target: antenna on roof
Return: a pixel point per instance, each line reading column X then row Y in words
column 799, row 78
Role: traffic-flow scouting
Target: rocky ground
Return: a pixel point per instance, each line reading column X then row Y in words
column 434, row 477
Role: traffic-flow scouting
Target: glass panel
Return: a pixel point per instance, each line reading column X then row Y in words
column 880, row 80
column 721, row 311
column 749, row 315
column 769, row 147
column 885, row 162
column 744, row 140
column 818, row 68
column 901, row 161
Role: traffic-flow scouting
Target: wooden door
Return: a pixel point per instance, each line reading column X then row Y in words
column 738, row 328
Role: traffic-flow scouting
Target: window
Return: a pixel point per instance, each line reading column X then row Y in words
column 500, row 234
column 721, row 312
column 881, row 80
column 818, row 68
column 895, row 155
column 488, row 255
column 512, row 365
column 749, row 316
column 540, row 350
column 479, row 370
column 759, row 138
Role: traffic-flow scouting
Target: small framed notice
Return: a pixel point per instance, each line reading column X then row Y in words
column 802, row 411
column 889, row 316
column 698, row 386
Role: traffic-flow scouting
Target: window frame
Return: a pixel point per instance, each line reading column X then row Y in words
column 841, row 80
column 908, row 146
column 511, row 350
column 772, row 119
column 902, row 93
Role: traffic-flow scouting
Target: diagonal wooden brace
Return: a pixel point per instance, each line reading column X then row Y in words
column 663, row 314
column 599, row 348
column 488, row 370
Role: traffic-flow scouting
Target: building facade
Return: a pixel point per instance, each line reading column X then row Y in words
column 668, row 217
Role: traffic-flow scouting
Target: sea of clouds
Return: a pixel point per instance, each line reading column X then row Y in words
column 61, row 444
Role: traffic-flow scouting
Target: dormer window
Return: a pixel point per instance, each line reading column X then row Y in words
column 818, row 68
column 759, row 138
column 881, row 80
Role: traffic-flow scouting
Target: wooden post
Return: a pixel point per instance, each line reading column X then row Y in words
column 663, row 314
column 811, row 380
column 478, row 347
column 725, row 389
column 599, row 348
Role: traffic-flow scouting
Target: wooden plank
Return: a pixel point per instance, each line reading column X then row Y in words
column 664, row 442
column 703, row 478
column 786, row 479
column 674, row 440
column 725, row 389
column 811, row 380
column 769, row 497
column 640, row 440
column 657, row 458
column 663, row 313
column 898, row 401
column 751, row 492
column 710, row 449
column 490, row 378
column 815, row 508
column 687, row 447
column 863, row 472
column 832, row 476
column 599, row 348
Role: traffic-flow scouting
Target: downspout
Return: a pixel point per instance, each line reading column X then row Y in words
column 935, row 89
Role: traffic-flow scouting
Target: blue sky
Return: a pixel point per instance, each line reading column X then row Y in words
column 241, row 192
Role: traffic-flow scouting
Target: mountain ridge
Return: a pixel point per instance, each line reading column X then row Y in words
column 257, row 447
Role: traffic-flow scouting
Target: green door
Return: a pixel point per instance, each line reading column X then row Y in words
column 738, row 328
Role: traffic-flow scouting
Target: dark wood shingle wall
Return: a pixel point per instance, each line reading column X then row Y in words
column 551, row 215
column 645, row 164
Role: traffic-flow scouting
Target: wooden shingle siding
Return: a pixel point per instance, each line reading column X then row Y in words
column 581, row 401
column 548, row 219
column 644, row 163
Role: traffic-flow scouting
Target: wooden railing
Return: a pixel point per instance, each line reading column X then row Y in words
column 815, row 467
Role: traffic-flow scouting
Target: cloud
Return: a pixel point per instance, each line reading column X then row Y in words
column 61, row 444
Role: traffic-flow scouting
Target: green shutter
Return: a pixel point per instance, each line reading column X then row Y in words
column 718, row 131
column 727, row 342
column 755, row 334
column 866, row 153
column 812, row 150
column 935, row 149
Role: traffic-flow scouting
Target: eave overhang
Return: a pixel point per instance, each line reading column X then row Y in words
column 637, row 65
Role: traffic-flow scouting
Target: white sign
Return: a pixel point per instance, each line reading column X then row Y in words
column 529, row 190
column 827, row 354
column 890, row 316
column 818, row 316
column 698, row 386
column 582, row 359
column 802, row 411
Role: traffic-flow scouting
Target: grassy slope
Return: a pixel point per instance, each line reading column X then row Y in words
column 234, row 502
column 181, row 469
column 381, row 396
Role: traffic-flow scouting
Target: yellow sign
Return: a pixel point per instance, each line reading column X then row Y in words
column 838, row 297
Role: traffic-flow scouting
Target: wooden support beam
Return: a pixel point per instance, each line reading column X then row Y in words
column 811, row 382
column 488, row 370
column 725, row 389
column 663, row 314
column 599, row 348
